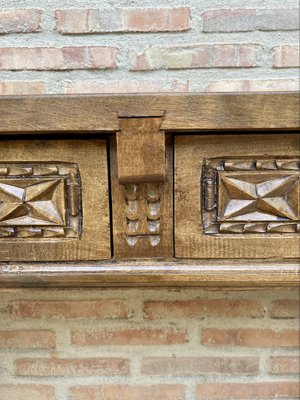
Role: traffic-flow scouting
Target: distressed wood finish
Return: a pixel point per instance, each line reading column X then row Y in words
column 142, row 214
column 42, row 217
column 180, row 112
column 256, row 212
column 55, row 193
column 141, row 151
column 235, row 274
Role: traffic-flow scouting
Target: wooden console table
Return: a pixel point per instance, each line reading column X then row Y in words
column 150, row 190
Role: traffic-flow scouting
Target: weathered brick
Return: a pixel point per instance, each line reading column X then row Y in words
column 242, row 20
column 286, row 56
column 95, row 309
column 250, row 337
column 202, row 308
column 26, row 392
column 130, row 336
column 284, row 308
column 284, row 365
column 22, row 87
column 27, row 339
column 125, row 86
column 126, row 392
column 194, row 366
column 77, row 21
column 198, row 56
column 259, row 85
column 71, row 367
column 52, row 58
column 20, row 21
column 253, row 390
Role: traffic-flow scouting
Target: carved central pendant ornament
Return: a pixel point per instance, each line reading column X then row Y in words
column 251, row 196
column 39, row 201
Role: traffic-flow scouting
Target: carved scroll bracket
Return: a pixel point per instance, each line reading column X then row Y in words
column 141, row 151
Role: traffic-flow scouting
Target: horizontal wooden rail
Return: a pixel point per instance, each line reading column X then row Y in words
column 151, row 273
column 180, row 112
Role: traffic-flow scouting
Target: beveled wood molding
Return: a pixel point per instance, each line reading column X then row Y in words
column 96, row 114
column 152, row 273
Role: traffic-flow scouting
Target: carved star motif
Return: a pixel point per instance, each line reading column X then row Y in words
column 269, row 199
column 32, row 202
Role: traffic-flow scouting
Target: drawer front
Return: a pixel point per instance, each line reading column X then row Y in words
column 237, row 196
column 54, row 200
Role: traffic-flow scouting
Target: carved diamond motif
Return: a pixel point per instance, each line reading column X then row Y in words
column 39, row 200
column 32, row 202
column 251, row 196
column 258, row 197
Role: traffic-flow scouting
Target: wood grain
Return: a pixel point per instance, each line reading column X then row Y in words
column 216, row 274
column 141, row 151
column 190, row 240
column 42, row 212
column 142, row 214
column 181, row 112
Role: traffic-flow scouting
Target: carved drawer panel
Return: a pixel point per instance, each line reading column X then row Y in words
column 54, row 202
column 237, row 196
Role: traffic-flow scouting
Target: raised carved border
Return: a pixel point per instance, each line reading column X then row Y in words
column 73, row 213
column 210, row 171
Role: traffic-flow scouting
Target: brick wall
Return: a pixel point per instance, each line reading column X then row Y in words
column 137, row 46
column 186, row 344
column 136, row 344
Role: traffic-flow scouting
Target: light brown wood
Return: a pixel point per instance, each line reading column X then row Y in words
column 255, row 213
column 235, row 274
column 180, row 112
column 141, row 151
column 142, row 214
column 54, row 203
column 223, row 241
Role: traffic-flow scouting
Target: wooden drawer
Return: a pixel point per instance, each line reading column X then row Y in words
column 54, row 202
column 237, row 196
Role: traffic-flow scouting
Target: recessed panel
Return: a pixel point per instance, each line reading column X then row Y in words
column 237, row 196
column 54, row 201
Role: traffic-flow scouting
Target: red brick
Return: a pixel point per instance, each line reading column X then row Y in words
column 259, row 85
column 242, row 20
column 284, row 365
column 52, row 58
column 22, row 87
column 63, row 367
column 255, row 390
column 251, row 337
column 125, row 86
column 27, row 339
column 130, row 336
column 285, row 309
column 95, row 309
column 126, row 392
column 198, row 56
column 26, row 392
column 157, row 20
column 194, row 366
column 77, row 21
column 202, row 308
column 20, row 21
column 286, row 56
